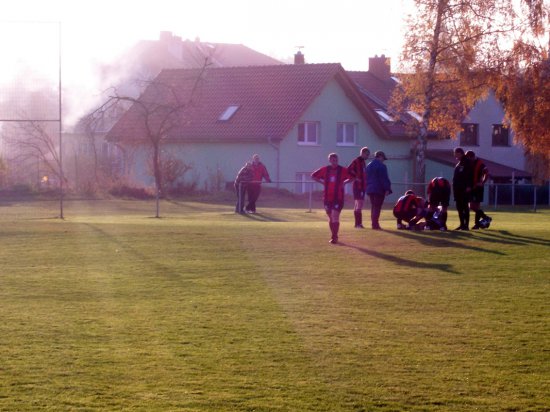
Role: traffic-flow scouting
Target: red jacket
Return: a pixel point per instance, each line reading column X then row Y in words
column 259, row 172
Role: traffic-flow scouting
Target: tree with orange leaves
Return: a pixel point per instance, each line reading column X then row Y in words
column 456, row 51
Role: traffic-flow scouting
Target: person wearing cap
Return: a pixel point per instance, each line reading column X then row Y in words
column 333, row 177
column 358, row 168
column 378, row 186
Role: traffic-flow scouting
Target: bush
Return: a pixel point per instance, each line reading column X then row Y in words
column 124, row 191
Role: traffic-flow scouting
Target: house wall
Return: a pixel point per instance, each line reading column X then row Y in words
column 486, row 113
column 330, row 107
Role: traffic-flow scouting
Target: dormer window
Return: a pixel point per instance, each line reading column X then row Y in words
column 228, row 113
column 415, row 115
column 384, row 116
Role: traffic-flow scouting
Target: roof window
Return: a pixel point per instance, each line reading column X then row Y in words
column 412, row 113
column 228, row 113
column 384, row 116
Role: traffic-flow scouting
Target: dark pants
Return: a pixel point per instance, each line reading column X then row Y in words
column 376, row 202
column 241, row 193
column 254, row 190
column 461, row 199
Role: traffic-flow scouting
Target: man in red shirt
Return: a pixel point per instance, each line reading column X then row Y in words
column 411, row 209
column 358, row 169
column 259, row 173
column 333, row 177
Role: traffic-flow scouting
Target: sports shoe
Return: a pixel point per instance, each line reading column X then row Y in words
column 333, row 240
column 488, row 219
column 475, row 227
column 359, row 227
column 401, row 226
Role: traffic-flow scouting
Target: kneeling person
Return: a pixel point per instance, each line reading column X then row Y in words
column 439, row 195
column 409, row 208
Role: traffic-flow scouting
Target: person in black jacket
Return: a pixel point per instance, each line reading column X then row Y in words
column 462, row 186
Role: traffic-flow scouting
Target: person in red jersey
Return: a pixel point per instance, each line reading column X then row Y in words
column 439, row 195
column 259, row 173
column 480, row 176
column 358, row 169
column 333, row 177
column 411, row 209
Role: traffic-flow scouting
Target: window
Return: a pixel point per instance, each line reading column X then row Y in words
column 384, row 116
column 308, row 133
column 500, row 135
column 303, row 182
column 346, row 134
column 468, row 135
column 228, row 113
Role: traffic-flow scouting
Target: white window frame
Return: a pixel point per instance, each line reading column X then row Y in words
column 342, row 132
column 303, row 182
column 309, row 140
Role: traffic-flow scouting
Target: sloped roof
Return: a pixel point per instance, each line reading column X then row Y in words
column 496, row 170
column 270, row 101
column 376, row 93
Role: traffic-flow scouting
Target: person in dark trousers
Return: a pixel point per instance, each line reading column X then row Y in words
column 378, row 187
column 358, row 169
column 243, row 179
column 333, row 177
column 462, row 186
column 480, row 174
column 259, row 173
column 439, row 195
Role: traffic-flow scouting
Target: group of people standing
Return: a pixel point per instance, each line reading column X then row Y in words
column 248, row 184
column 371, row 179
column 469, row 177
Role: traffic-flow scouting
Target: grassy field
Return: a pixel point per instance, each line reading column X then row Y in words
column 205, row 310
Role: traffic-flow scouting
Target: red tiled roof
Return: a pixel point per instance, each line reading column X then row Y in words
column 270, row 98
column 376, row 93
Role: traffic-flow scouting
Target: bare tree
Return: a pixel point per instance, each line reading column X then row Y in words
column 154, row 115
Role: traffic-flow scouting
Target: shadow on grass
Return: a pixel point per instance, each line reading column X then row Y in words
column 505, row 237
column 261, row 217
column 444, row 267
column 438, row 240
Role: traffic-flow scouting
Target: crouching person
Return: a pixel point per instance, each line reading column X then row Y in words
column 411, row 209
column 439, row 195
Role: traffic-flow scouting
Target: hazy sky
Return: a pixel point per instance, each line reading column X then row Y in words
column 94, row 31
column 345, row 31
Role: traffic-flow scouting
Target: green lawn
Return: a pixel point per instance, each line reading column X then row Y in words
column 206, row 310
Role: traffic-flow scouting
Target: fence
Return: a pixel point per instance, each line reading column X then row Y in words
column 496, row 194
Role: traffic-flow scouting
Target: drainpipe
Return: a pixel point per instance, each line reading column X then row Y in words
column 278, row 163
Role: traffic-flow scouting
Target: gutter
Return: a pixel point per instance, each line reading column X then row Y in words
column 278, row 162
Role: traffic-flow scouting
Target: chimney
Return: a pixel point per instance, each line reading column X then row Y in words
column 380, row 67
column 165, row 36
column 299, row 58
